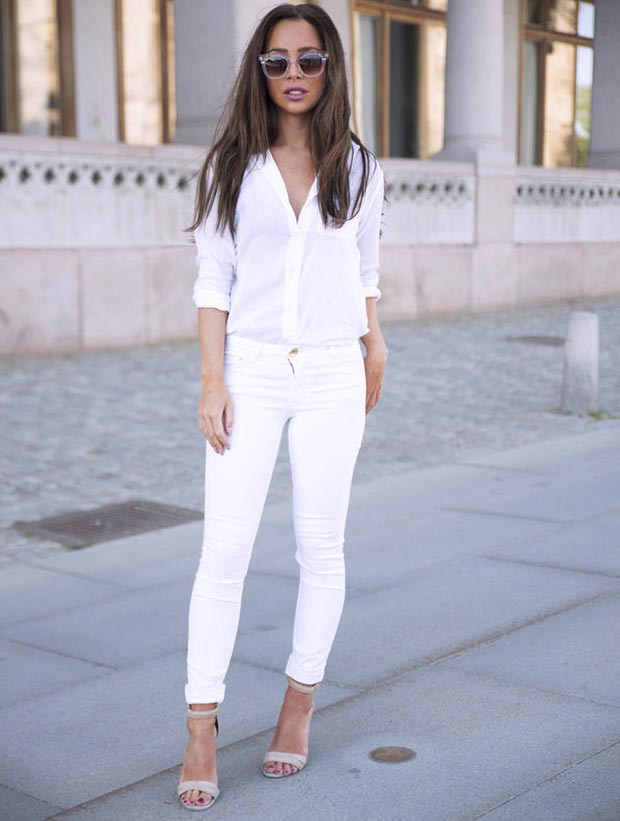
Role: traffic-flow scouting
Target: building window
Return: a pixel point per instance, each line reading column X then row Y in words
column 556, row 82
column 145, row 54
column 399, row 58
column 36, row 67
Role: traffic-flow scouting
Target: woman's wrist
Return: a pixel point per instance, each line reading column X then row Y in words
column 211, row 374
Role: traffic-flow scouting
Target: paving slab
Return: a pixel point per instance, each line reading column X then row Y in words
column 590, row 546
column 27, row 592
column 16, row 806
column 574, row 652
column 587, row 790
column 435, row 611
column 402, row 496
column 553, row 492
column 375, row 556
column 478, row 742
column 558, row 498
column 143, row 624
column 137, row 562
column 556, row 480
column 591, row 450
column 131, row 562
column 28, row 671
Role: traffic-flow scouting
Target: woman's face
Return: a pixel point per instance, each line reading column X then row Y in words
column 292, row 38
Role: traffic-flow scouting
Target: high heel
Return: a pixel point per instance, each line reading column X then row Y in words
column 295, row 759
column 200, row 784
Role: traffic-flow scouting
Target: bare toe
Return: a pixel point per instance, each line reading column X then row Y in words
column 187, row 797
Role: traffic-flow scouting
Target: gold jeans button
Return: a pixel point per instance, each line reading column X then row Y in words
column 293, row 351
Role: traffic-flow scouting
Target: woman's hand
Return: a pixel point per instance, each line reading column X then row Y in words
column 374, row 364
column 215, row 412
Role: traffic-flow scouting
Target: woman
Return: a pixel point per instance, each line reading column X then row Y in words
column 287, row 224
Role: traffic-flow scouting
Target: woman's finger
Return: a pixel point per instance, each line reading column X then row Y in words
column 219, row 435
column 207, row 429
column 373, row 394
column 228, row 415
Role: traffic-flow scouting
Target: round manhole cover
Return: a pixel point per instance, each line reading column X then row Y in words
column 392, row 754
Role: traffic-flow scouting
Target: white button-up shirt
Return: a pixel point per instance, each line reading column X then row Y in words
column 288, row 281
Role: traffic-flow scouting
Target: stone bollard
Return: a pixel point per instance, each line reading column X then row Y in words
column 580, row 384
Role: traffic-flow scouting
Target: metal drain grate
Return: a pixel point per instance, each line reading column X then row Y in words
column 102, row 524
column 552, row 341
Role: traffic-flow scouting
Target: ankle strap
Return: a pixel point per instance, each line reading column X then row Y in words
column 201, row 713
column 302, row 688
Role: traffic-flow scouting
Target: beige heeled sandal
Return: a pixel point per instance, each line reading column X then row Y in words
column 200, row 784
column 295, row 759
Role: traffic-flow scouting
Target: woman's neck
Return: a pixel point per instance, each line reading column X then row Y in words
column 293, row 132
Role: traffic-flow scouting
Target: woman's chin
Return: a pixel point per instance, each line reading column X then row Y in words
column 296, row 106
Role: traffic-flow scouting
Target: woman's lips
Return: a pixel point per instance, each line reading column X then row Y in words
column 295, row 93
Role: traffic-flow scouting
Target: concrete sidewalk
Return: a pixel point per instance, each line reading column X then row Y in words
column 481, row 629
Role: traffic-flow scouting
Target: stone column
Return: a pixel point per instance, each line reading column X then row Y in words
column 605, row 127
column 481, row 93
column 474, row 81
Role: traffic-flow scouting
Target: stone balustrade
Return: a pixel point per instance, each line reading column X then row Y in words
column 82, row 199
column 429, row 203
column 140, row 196
column 566, row 205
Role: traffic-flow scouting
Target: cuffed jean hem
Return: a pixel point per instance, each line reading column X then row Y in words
column 304, row 675
column 195, row 695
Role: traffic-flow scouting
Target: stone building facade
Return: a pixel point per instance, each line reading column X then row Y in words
column 496, row 122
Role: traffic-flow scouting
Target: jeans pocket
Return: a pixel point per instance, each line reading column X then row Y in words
column 347, row 361
column 242, row 354
column 346, row 353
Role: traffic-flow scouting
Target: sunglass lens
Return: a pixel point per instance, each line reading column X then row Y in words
column 311, row 64
column 275, row 66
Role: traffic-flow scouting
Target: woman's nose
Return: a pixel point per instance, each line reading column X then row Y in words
column 293, row 70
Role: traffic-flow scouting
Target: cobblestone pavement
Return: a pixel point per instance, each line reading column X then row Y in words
column 85, row 429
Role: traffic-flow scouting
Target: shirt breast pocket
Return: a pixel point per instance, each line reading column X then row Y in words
column 348, row 230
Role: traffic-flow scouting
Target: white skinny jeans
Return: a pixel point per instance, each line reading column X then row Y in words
column 321, row 392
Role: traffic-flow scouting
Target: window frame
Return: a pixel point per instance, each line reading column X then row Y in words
column 545, row 36
column 385, row 11
column 166, row 70
column 65, row 67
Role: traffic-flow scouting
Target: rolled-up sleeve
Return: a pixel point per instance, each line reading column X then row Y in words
column 216, row 261
column 369, row 230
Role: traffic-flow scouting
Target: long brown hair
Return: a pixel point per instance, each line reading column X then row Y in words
column 249, row 125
